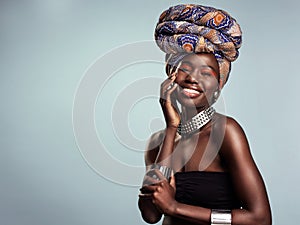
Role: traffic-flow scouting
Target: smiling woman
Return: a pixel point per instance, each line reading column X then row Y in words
column 198, row 76
column 199, row 168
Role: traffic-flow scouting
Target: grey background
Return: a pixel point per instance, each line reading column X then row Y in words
column 46, row 48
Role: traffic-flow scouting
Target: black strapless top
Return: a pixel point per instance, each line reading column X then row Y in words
column 213, row 190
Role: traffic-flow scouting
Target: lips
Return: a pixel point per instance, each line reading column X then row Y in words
column 191, row 93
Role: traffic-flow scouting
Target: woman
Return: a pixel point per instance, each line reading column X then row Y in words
column 200, row 169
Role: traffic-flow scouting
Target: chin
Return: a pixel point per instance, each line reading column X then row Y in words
column 193, row 103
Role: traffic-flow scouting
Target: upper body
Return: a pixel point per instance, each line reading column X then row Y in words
column 213, row 160
column 233, row 158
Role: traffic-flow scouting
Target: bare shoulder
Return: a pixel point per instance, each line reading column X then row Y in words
column 153, row 146
column 232, row 133
column 155, row 139
column 235, row 147
column 228, row 124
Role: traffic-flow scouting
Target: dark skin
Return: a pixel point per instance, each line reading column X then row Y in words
column 219, row 146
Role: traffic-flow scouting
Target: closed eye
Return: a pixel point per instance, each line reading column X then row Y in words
column 206, row 74
column 184, row 70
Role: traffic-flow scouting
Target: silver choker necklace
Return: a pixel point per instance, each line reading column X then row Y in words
column 196, row 122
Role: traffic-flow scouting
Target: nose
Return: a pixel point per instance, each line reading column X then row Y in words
column 190, row 78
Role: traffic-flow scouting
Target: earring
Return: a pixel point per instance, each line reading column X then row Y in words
column 216, row 95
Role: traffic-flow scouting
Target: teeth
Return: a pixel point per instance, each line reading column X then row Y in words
column 192, row 91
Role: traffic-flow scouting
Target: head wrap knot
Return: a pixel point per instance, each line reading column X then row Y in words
column 194, row 28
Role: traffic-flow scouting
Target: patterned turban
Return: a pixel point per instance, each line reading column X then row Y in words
column 190, row 28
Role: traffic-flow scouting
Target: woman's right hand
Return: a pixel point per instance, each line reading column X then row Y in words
column 168, row 102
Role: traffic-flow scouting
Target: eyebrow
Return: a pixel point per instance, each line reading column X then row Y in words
column 190, row 64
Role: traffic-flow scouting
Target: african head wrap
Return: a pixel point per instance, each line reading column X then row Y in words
column 190, row 28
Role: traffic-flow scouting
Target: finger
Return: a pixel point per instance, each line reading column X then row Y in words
column 174, row 99
column 170, row 86
column 173, row 87
column 167, row 82
column 165, row 86
column 168, row 89
column 145, row 195
column 172, row 182
column 172, row 75
column 158, row 189
column 172, row 78
column 148, row 189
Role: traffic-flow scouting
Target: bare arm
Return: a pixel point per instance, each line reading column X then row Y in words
column 247, row 181
column 156, row 152
column 148, row 210
column 172, row 118
column 246, row 177
column 159, row 150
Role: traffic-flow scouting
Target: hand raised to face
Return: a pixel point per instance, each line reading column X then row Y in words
column 168, row 102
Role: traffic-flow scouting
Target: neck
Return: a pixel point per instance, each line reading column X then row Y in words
column 189, row 113
column 196, row 122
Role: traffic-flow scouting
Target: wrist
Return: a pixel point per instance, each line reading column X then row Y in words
column 165, row 170
column 220, row 216
column 174, row 209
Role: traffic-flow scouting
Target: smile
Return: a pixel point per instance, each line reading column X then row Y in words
column 191, row 92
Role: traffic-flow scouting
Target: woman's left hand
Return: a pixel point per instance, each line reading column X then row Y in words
column 163, row 196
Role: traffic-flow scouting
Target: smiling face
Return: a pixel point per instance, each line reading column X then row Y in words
column 197, row 79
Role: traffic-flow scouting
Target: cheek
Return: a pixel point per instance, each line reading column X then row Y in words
column 211, row 84
column 179, row 78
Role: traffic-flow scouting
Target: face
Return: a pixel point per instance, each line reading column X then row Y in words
column 197, row 78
